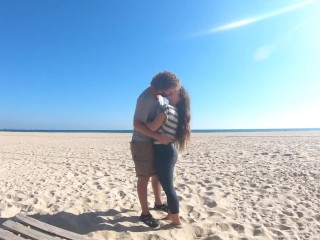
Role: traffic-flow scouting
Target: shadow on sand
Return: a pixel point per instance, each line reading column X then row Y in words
column 86, row 223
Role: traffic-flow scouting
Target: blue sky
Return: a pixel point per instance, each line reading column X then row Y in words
column 80, row 64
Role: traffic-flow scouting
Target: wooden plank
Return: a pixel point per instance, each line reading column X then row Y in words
column 51, row 229
column 28, row 232
column 6, row 235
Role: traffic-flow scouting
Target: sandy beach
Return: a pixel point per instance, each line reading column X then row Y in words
column 230, row 185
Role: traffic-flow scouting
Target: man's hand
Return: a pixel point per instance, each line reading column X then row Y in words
column 163, row 138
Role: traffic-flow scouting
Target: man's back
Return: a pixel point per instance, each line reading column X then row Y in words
column 147, row 108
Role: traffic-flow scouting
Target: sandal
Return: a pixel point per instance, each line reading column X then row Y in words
column 162, row 207
column 149, row 220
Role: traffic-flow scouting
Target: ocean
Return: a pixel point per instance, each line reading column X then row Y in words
column 194, row 130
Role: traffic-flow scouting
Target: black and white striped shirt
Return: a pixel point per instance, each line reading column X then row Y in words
column 170, row 125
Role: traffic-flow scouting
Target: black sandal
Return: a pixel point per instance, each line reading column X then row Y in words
column 149, row 220
column 162, row 207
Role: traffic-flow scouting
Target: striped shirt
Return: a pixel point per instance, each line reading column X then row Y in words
column 170, row 125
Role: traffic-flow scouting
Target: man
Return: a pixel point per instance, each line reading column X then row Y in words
column 150, row 100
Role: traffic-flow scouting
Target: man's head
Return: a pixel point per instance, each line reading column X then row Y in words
column 165, row 83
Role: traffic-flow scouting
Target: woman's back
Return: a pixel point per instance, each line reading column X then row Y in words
column 170, row 125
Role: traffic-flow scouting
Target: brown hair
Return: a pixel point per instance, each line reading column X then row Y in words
column 164, row 80
column 184, row 117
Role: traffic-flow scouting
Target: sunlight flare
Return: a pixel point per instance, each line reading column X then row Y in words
column 245, row 22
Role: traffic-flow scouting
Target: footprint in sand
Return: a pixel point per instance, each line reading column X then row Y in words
column 284, row 227
column 51, row 193
column 98, row 186
column 211, row 203
column 300, row 214
column 207, row 181
column 194, row 214
column 215, row 214
column 253, row 185
column 278, row 233
column 189, row 208
column 258, row 231
column 238, row 227
column 17, row 199
column 288, row 213
column 199, row 231
column 317, row 217
column 122, row 194
column 223, row 226
column 214, row 237
column 287, row 155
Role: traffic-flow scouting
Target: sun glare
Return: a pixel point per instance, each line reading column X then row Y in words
column 245, row 22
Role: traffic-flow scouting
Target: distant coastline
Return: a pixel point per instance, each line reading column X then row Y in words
column 194, row 130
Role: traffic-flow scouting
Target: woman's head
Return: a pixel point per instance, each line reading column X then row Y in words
column 174, row 97
column 181, row 100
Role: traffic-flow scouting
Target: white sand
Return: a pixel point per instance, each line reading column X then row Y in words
column 231, row 185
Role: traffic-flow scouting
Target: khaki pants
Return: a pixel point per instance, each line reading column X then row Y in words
column 143, row 157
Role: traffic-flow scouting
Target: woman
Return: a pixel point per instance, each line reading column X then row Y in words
column 174, row 120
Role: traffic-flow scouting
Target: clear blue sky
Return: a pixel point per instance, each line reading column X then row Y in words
column 80, row 64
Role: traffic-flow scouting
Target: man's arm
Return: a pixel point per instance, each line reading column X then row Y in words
column 141, row 127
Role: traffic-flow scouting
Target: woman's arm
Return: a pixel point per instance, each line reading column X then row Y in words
column 157, row 122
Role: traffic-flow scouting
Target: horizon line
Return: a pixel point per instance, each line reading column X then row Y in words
column 131, row 130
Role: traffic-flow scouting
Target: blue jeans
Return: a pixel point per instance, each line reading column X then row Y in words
column 165, row 159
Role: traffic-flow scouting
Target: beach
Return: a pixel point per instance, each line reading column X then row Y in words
column 230, row 185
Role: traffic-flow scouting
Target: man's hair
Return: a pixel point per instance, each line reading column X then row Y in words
column 164, row 80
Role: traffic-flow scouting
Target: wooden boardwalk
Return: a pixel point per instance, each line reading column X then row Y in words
column 24, row 227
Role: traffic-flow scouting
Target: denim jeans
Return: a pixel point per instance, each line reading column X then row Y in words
column 165, row 159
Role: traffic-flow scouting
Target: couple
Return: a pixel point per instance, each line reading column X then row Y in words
column 158, row 130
